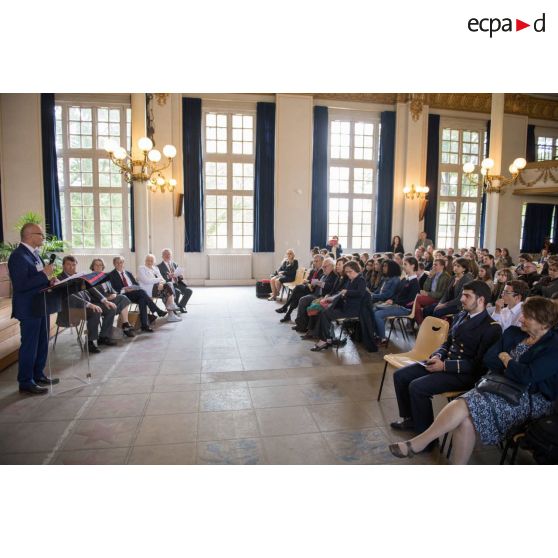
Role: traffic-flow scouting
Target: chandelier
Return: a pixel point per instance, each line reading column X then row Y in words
column 496, row 182
column 147, row 169
column 418, row 191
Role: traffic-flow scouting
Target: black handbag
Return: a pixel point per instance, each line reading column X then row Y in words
column 502, row 386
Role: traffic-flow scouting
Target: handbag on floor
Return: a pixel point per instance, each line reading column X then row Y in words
column 501, row 385
column 263, row 288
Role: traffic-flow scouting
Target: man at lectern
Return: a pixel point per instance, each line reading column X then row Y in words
column 29, row 276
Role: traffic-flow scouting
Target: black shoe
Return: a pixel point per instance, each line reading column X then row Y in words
column 299, row 329
column 183, row 310
column 44, row 381
column 106, row 341
column 405, row 424
column 152, row 318
column 162, row 313
column 281, row 310
column 129, row 332
column 318, row 348
column 147, row 328
column 33, row 390
column 92, row 347
column 307, row 336
column 287, row 318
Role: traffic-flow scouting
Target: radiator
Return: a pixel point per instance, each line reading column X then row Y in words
column 228, row 266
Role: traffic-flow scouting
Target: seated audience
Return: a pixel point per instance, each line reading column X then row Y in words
column 182, row 292
column 152, row 282
column 396, row 245
column 502, row 277
column 285, row 274
column 433, row 290
column 422, row 275
column 107, row 292
column 369, row 275
column 527, row 355
column 364, row 257
column 391, row 273
column 346, row 304
column 486, row 275
column 428, row 260
column 125, row 283
column 455, row 366
column 328, row 285
column 450, row 303
column 523, row 259
column 505, row 260
column 507, row 309
column 334, row 246
column 529, row 275
column 423, row 241
column 488, row 259
column 401, row 303
column 548, row 285
column 93, row 312
column 307, row 287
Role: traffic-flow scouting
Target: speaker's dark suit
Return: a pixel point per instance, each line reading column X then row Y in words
column 138, row 296
column 180, row 287
column 27, row 282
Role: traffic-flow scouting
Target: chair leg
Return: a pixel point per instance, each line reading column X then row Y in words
column 403, row 332
column 55, row 337
column 382, row 382
column 390, row 332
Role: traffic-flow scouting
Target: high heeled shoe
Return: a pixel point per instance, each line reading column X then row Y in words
column 396, row 450
column 317, row 348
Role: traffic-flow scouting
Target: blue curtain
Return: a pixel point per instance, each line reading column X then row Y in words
column 384, row 207
column 132, row 218
column 538, row 220
column 432, row 176
column 193, row 175
column 483, row 202
column 531, row 152
column 264, row 179
column 318, row 232
column 53, row 218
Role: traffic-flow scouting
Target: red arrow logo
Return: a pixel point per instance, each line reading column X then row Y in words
column 519, row 25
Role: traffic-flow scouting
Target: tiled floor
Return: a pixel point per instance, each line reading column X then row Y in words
column 227, row 385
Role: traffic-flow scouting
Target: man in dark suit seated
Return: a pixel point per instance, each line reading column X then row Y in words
column 168, row 269
column 124, row 282
column 455, row 366
column 107, row 292
column 29, row 276
column 105, row 309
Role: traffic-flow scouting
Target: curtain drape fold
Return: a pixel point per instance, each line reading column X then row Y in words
column 318, row 232
column 53, row 217
column 264, row 179
column 538, row 221
column 384, row 206
column 193, row 174
column 432, row 176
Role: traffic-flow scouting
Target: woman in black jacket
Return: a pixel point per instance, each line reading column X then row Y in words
column 344, row 305
column 397, row 245
column 527, row 355
column 285, row 274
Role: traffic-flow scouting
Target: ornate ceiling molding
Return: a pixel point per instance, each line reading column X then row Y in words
column 515, row 103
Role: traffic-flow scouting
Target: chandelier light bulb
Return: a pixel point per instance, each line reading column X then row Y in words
column 520, row 163
column 406, row 189
column 145, row 144
column 468, row 168
column 160, row 181
column 484, row 171
column 154, row 155
column 120, row 153
column 512, row 168
column 169, row 151
column 425, row 189
column 172, row 183
column 487, row 163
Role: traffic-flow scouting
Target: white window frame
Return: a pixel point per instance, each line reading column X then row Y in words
column 354, row 116
column 94, row 153
column 541, row 132
column 247, row 109
column 462, row 125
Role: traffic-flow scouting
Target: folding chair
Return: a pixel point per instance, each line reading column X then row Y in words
column 343, row 326
column 73, row 320
column 432, row 333
column 299, row 279
column 409, row 318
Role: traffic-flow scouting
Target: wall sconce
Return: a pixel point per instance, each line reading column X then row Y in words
column 146, row 169
column 496, row 182
column 413, row 191
column 158, row 182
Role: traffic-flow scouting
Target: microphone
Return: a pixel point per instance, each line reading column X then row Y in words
column 52, row 259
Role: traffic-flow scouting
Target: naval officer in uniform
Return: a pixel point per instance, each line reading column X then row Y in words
column 455, row 366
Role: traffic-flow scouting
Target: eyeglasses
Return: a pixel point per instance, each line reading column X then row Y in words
column 40, row 234
column 509, row 292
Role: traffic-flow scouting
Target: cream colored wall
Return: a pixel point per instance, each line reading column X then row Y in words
column 20, row 159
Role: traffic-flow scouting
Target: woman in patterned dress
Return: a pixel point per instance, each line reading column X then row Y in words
column 527, row 355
